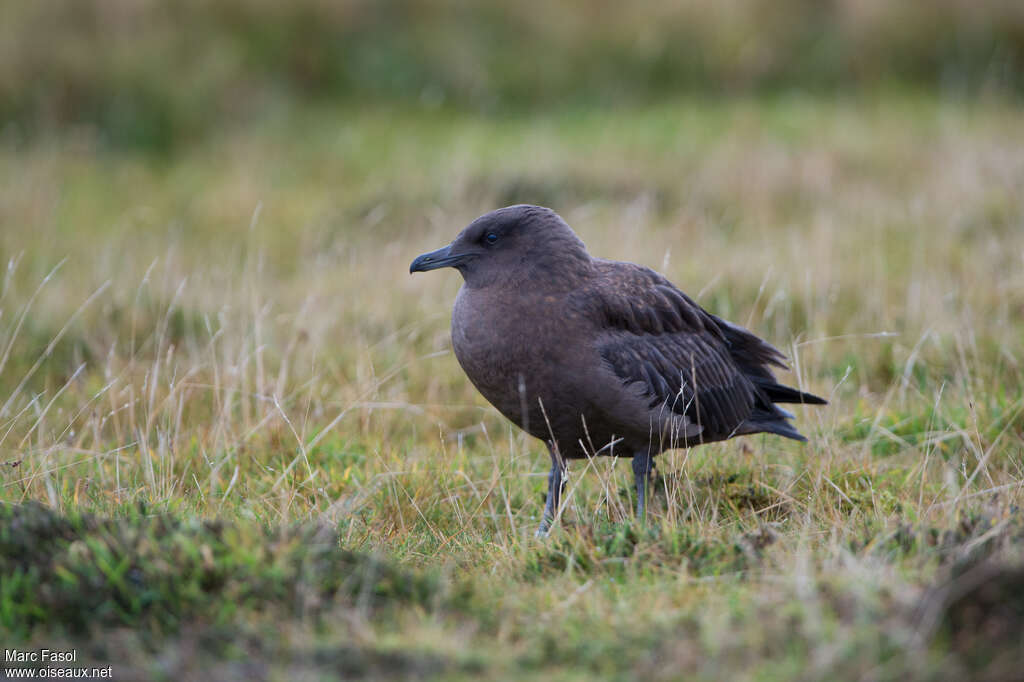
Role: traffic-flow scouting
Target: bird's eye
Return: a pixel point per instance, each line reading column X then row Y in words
column 491, row 237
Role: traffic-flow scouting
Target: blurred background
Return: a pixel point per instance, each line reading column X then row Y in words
column 153, row 76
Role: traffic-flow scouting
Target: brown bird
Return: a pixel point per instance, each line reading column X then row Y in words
column 600, row 357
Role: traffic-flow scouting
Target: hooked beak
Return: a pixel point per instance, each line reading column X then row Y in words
column 442, row 258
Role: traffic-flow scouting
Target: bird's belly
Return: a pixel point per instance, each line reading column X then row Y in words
column 554, row 390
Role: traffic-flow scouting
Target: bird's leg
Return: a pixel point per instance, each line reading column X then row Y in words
column 556, row 480
column 642, row 465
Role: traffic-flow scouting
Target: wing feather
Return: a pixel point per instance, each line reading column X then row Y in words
column 658, row 337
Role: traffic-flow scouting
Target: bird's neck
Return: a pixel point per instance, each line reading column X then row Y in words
column 538, row 276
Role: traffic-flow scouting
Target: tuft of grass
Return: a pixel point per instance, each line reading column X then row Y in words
column 156, row 574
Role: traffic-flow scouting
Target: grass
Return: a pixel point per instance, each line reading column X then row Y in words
column 234, row 442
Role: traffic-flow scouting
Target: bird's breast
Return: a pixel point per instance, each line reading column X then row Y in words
column 514, row 348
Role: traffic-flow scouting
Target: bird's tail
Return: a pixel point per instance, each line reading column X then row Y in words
column 778, row 393
column 770, row 423
column 769, row 417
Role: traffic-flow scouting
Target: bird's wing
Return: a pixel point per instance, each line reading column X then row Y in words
column 653, row 335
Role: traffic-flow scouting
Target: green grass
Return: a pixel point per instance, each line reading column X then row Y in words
column 234, row 443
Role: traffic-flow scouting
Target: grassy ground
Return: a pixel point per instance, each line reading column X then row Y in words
column 234, row 442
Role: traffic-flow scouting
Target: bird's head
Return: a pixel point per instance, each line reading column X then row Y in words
column 511, row 245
